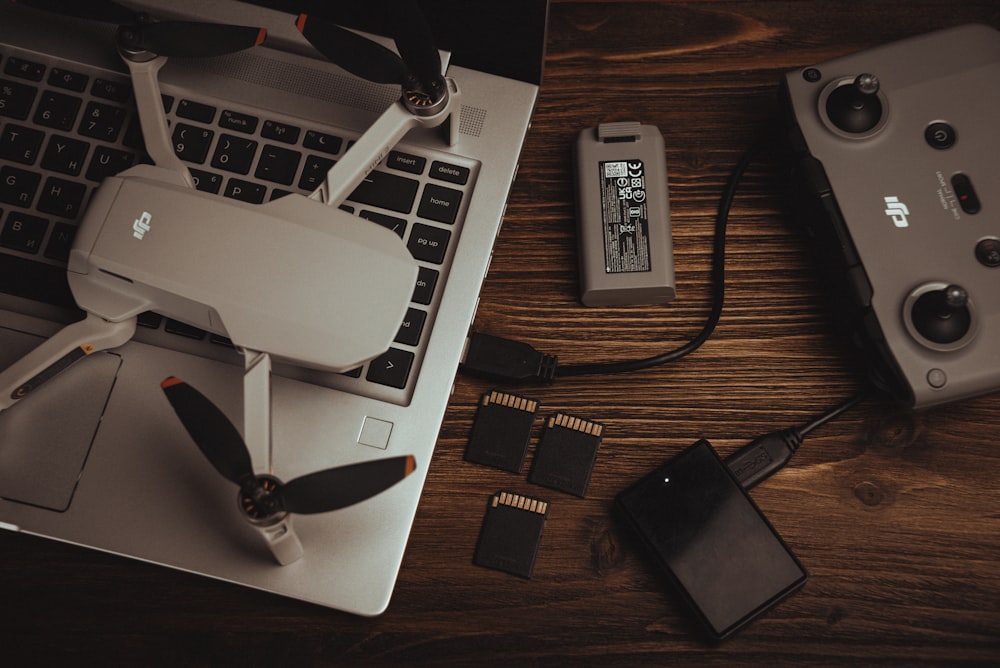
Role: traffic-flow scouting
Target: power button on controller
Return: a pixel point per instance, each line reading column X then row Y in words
column 940, row 135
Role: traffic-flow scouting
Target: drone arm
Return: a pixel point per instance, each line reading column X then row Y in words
column 71, row 343
column 257, row 408
column 280, row 537
column 372, row 147
column 149, row 102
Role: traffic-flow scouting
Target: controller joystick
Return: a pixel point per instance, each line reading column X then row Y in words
column 942, row 316
column 855, row 107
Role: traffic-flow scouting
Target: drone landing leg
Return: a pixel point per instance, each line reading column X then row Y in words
column 277, row 530
column 71, row 343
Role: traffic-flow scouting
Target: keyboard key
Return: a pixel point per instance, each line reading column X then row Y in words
column 65, row 155
column 450, row 173
column 386, row 191
column 149, row 319
column 108, row 162
column 234, row 154
column 16, row 99
column 405, row 162
column 245, row 191
column 18, row 186
column 115, row 91
column 397, row 225
column 411, row 327
column 182, row 329
column 439, row 204
column 191, row 143
column 57, row 110
column 195, row 111
column 20, row 144
column 23, row 232
column 207, row 181
column 68, row 80
column 428, row 244
column 62, row 198
column 423, row 291
column 282, row 132
column 24, row 69
column 278, row 164
column 34, row 280
column 102, row 121
column 233, row 120
column 318, row 141
column 314, row 172
column 60, row 242
column 391, row 368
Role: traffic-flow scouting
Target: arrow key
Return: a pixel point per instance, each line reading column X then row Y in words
column 391, row 368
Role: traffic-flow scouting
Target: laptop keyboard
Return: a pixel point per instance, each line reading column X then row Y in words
column 64, row 128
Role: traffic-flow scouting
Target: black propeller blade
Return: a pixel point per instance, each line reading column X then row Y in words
column 317, row 492
column 343, row 486
column 356, row 54
column 210, row 430
column 417, row 67
column 166, row 38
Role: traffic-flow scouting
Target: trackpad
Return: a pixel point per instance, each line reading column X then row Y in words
column 46, row 437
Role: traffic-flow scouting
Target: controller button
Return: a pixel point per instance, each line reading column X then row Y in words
column 940, row 136
column 988, row 252
column 937, row 378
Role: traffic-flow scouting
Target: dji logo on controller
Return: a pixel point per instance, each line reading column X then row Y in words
column 141, row 225
column 897, row 211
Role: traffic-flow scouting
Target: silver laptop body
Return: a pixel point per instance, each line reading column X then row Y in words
column 96, row 457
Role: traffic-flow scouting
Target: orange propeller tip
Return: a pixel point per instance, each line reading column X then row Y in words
column 261, row 36
column 411, row 465
column 300, row 22
column 170, row 382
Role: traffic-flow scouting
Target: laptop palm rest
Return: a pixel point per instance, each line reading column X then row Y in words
column 46, row 437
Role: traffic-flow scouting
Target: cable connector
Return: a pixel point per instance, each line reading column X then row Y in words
column 763, row 456
column 506, row 360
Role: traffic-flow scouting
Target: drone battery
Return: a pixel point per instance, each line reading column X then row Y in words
column 623, row 214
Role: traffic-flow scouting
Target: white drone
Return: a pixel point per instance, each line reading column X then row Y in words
column 269, row 277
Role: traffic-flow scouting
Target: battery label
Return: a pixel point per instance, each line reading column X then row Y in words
column 626, row 218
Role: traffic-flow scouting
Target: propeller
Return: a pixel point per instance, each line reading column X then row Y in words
column 416, row 68
column 138, row 32
column 262, row 496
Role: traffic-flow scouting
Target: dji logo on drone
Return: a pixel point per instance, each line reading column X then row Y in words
column 897, row 211
column 141, row 225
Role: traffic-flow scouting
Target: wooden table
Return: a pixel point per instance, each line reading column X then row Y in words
column 895, row 514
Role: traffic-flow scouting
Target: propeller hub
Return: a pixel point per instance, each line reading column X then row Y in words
column 421, row 102
column 258, row 502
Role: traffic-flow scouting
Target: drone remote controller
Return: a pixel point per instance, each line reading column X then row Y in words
column 896, row 178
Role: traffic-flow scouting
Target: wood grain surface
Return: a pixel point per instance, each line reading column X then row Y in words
column 895, row 514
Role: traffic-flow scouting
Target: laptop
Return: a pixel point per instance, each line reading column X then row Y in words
column 96, row 456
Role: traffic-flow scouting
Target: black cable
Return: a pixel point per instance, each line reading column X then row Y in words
column 766, row 454
column 504, row 359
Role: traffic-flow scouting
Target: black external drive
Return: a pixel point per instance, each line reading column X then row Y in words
column 711, row 540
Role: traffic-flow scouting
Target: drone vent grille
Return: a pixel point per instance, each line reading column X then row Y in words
column 472, row 122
